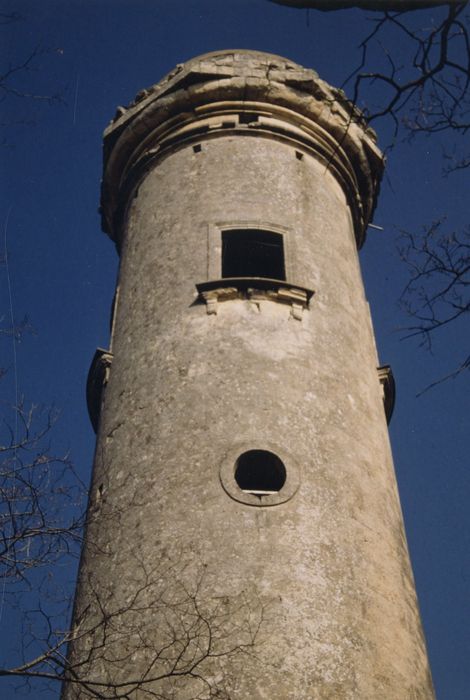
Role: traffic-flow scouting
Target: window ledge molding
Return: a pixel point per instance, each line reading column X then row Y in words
column 254, row 289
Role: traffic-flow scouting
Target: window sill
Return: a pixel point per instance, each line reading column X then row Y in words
column 254, row 289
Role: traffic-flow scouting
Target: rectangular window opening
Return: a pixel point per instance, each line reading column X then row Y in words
column 253, row 253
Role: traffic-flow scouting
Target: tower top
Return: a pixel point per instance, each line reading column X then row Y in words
column 247, row 92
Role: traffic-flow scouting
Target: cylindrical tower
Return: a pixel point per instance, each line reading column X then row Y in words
column 244, row 537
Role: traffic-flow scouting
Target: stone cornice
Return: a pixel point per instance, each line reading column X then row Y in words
column 216, row 92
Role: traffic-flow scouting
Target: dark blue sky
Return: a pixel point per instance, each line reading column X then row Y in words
column 62, row 268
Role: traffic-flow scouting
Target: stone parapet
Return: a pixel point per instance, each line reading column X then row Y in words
column 243, row 92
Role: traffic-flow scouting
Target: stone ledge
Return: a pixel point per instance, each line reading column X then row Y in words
column 284, row 88
column 254, row 289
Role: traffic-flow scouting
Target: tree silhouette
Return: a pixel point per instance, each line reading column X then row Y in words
column 424, row 91
column 176, row 636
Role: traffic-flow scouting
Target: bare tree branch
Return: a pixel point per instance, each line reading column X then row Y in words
column 423, row 89
column 375, row 5
column 41, row 497
column 438, row 291
column 179, row 632
column 9, row 79
column 429, row 92
column 10, row 17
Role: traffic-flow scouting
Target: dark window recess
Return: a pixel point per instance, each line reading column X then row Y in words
column 253, row 253
column 247, row 118
column 260, row 472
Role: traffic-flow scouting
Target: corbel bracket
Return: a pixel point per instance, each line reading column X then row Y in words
column 254, row 289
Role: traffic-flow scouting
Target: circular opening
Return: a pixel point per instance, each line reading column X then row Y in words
column 260, row 472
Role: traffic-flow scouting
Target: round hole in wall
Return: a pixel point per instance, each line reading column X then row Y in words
column 259, row 476
column 260, row 472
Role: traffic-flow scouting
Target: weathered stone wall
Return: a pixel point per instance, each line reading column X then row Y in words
column 326, row 566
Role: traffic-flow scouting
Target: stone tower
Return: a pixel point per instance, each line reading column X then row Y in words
column 244, row 537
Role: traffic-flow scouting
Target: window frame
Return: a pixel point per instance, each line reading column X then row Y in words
column 214, row 244
column 238, row 245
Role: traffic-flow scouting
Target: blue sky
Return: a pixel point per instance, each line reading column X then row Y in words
column 62, row 267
